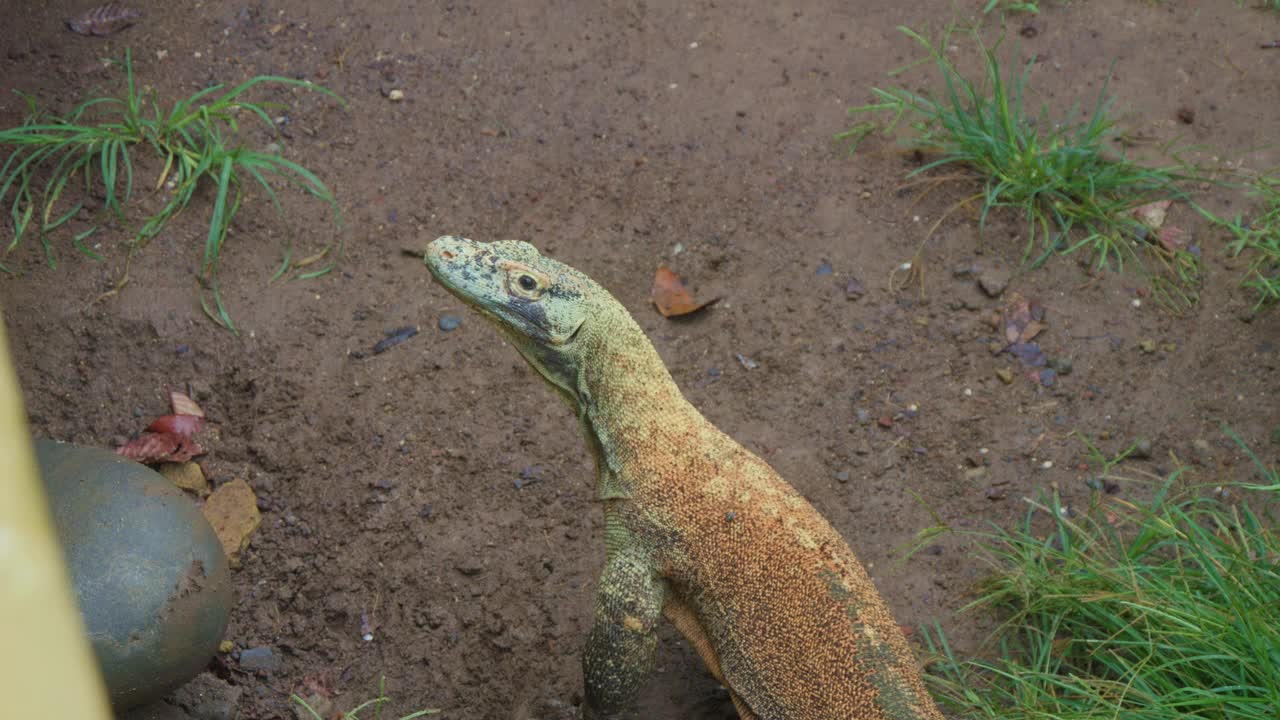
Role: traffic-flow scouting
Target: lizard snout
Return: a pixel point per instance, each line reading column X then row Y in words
column 442, row 252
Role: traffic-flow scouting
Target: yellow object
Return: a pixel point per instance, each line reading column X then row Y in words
column 47, row 669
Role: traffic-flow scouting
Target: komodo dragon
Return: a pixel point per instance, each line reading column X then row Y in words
column 697, row 529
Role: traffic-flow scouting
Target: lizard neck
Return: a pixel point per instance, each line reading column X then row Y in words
column 626, row 399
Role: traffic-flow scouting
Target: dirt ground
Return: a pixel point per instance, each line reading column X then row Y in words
column 437, row 495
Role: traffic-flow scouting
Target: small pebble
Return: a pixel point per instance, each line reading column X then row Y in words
column 395, row 95
column 843, row 476
column 1005, row 375
column 1062, row 365
column 1147, row 346
column 713, row 371
column 824, row 269
column 1141, row 450
column 885, row 421
column 854, row 289
column 864, row 417
column 449, row 323
column 994, row 493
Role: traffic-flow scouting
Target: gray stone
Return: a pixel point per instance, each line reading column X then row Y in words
column 449, row 323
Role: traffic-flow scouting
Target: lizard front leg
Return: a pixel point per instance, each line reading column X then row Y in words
column 622, row 643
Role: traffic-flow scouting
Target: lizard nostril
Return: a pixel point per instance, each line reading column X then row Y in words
column 446, row 254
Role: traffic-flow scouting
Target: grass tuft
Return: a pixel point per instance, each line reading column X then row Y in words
column 375, row 704
column 1258, row 239
column 91, row 150
column 1153, row 611
column 1012, row 6
column 1061, row 175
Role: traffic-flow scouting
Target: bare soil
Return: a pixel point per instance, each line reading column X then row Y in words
column 436, row 495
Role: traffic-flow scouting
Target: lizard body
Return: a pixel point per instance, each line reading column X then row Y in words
column 697, row 528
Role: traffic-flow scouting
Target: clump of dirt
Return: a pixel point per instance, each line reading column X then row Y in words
column 427, row 510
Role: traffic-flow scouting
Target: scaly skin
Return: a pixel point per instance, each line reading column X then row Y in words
column 697, row 529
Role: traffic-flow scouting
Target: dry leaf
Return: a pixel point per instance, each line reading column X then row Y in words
column 670, row 296
column 152, row 447
column 181, row 425
column 1172, row 238
column 183, row 405
column 232, row 510
column 104, row 19
column 1152, row 214
column 186, row 475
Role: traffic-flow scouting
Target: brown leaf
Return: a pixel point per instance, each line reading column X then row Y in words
column 232, row 510
column 186, row 475
column 183, row 405
column 670, row 296
column 104, row 19
column 151, row 447
column 181, row 425
column 1032, row 329
column 1172, row 238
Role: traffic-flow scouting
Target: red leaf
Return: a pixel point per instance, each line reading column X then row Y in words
column 183, row 405
column 181, row 425
column 149, row 448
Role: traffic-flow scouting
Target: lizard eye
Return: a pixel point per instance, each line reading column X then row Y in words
column 526, row 283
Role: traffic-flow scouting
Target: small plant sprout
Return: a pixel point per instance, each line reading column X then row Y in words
column 56, row 164
column 374, row 705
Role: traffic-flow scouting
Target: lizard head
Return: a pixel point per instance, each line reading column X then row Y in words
column 539, row 304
